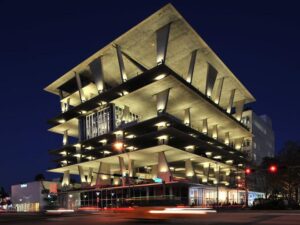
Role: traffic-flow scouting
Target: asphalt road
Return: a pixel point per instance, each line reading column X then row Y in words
column 223, row 218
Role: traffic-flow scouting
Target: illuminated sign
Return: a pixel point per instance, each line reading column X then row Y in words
column 157, row 180
column 96, row 124
column 23, row 185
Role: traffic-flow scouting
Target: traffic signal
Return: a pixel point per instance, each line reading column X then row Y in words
column 248, row 171
column 273, row 169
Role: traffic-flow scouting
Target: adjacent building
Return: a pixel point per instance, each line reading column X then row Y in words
column 153, row 118
column 262, row 144
column 33, row 196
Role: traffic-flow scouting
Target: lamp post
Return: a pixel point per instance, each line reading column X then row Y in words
column 97, row 193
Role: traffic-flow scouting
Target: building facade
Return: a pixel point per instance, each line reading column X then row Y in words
column 151, row 121
column 262, row 144
column 32, row 196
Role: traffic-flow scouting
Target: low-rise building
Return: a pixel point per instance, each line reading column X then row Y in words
column 33, row 196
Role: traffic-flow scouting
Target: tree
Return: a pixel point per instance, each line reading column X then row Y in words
column 39, row 177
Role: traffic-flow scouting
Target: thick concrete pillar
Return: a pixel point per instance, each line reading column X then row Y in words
column 230, row 103
column 103, row 175
column 162, row 38
column 121, row 64
column 81, row 174
column 162, row 101
column 154, row 171
column 239, row 107
column 210, row 80
column 163, row 168
column 227, row 138
column 204, row 126
column 217, row 97
column 65, row 138
column 90, row 176
column 66, row 178
column 131, row 168
column 122, row 170
column 126, row 114
column 215, row 132
column 79, row 86
column 96, row 69
column 192, row 67
column 187, row 117
column 189, row 169
column 238, row 143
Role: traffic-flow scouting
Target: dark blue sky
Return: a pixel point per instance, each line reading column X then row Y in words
column 41, row 40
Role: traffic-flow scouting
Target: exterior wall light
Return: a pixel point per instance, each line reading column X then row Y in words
column 159, row 77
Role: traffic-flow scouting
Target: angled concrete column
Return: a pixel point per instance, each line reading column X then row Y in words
column 215, row 132
column 192, row 67
column 163, row 168
column 102, row 177
column 135, row 62
column 66, row 178
column 96, row 69
column 65, row 138
column 79, row 86
column 162, row 101
column 210, row 80
column 187, row 117
column 230, row 103
column 189, row 168
column 90, row 176
column 162, row 38
column 121, row 64
column 239, row 107
column 219, row 91
column 227, row 138
column 204, row 126
column 81, row 174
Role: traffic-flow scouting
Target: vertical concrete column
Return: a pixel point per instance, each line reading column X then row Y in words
column 121, row 64
column 126, row 114
column 210, row 80
column 122, row 170
column 215, row 132
column 66, row 178
column 189, row 168
column 204, row 126
column 219, row 91
column 154, row 171
column 62, row 104
column 81, row 174
column 162, row 101
column 79, row 86
column 65, row 138
column 163, row 168
column 131, row 168
column 238, row 143
column 239, row 107
column 230, row 103
column 187, row 117
column 227, row 138
column 96, row 69
column 90, row 176
column 192, row 66
column 162, row 39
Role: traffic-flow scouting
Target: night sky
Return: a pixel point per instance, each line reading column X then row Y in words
column 41, row 40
